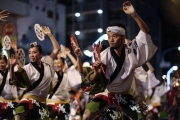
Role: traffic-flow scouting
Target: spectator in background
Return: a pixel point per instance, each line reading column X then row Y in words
column 81, row 100
column 74, row 106
column 170, row 95
column 178, row 102
column 154, row 99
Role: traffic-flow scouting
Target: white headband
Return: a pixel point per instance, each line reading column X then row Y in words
column 116, row 29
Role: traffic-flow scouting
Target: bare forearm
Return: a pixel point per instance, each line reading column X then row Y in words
column 150, row 67
column 93, row 77
column 80, row 67
column 15, row 50
column 12, row 73
column 73, row 60
column 55, row 46
column 142, row 25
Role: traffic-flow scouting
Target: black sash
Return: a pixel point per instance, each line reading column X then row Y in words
column 153, row 90
column 4, row 80
column 60, row 77
column 41, row 72
column 119, row 61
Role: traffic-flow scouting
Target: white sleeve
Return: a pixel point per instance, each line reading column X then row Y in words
column 74, row 77
column 144, row 47
column 161, row 90
column 140, row 79
column 48, row 60
column 152, row 81
column 16, row 68
column 140, row 74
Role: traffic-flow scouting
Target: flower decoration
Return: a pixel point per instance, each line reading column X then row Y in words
column 33, row 44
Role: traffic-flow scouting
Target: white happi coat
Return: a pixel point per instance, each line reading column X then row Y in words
column 152, row 81
column 43, row 88
column 158, row 93
column 146, row 80
column 71, row 78
column 144, row 48
column 9, row 91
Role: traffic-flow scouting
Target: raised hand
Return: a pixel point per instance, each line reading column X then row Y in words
column 97, row 67
column 14, row 46
column 3, row 15
column 60, row 55
column 12, row 60
column 77, row 52
column 99, row 46
column 67, row 51
column 128, row 8
column 46, row 30
column 127, row 41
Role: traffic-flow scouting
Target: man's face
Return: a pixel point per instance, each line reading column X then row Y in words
column 115, row 40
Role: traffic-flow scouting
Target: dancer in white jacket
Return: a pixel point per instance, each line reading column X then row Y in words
column 121, row 60
column 36, row 77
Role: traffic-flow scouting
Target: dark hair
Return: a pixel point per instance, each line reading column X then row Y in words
column 72, row 92
column 118, row 24
column 38, row 46
column 63, row 60
column 3, row 57
column 176, row 74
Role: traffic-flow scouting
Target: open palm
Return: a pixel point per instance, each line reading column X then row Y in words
column 67, row 51
column 3, row 15
column 12, row 60
column 14, row 45
column 77, row 52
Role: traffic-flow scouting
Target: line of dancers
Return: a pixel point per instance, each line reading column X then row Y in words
column 45, row 88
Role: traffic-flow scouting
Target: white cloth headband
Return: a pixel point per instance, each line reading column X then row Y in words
column 116, row 29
